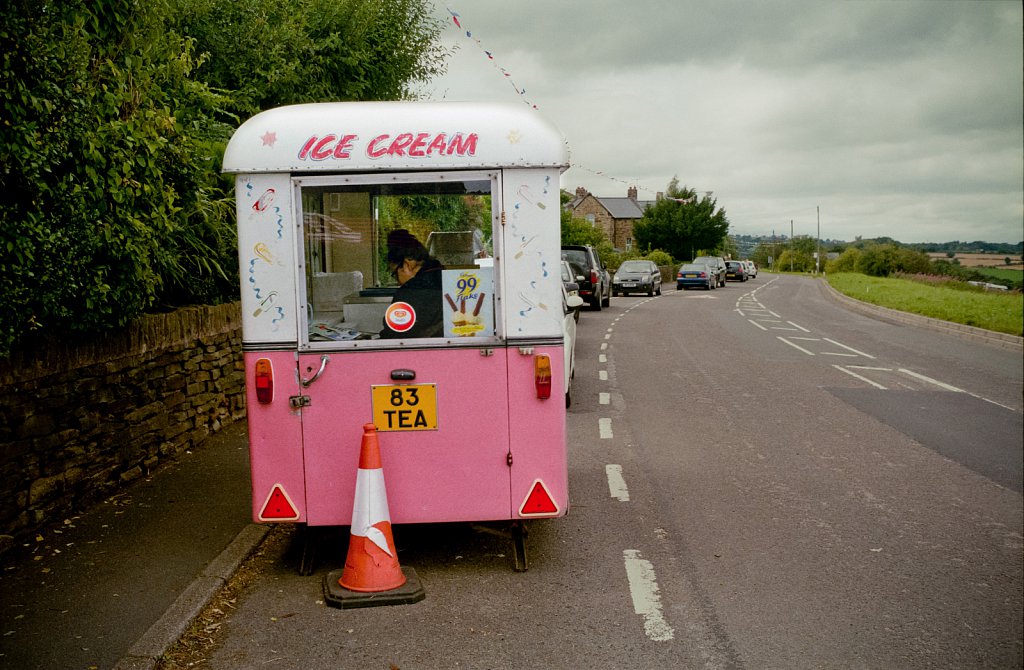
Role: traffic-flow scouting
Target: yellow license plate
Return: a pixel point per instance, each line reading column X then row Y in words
column 405, row 407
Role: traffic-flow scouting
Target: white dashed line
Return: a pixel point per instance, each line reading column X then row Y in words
column 602, row 358
column 602, row 375
column 941, row 385
column 604, row 398
column 604, row 427
column 643, row 587
column 860, row 377
column 616, row 483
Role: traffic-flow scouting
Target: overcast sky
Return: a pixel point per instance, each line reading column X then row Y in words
column 896, row 118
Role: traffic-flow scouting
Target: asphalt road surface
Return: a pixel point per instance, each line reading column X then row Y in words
column 758, row 478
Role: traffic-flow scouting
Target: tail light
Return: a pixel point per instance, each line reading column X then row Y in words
column 593, row 276
column 542, row 375
column 264, row 381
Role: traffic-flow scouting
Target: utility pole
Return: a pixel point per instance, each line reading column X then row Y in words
column 817, row 262
column 791, row 250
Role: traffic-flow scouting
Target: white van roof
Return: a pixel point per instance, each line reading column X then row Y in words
column 372, row 136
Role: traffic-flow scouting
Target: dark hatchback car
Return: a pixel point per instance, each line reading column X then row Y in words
column 695, row 275
column 735, row 271
column 592, row 276
column 637, row 276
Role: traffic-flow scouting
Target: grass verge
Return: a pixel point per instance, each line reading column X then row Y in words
column 1001, row 312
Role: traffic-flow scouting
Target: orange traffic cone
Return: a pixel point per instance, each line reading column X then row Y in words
column 371, row 567
column 372, row 562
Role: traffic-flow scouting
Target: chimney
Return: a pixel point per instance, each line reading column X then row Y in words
column 631, row 193
column 581, row 192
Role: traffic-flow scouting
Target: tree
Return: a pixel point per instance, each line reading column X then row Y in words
column 847, row 261
column 278, row 52
column 114, row 116
column 682, row 225
column 579, row 231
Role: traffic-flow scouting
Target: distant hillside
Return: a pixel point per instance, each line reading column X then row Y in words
column 992, row 250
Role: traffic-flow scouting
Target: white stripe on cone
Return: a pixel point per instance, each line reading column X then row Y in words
column 371, row 507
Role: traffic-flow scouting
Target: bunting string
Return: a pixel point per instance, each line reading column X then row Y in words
column 521, row 92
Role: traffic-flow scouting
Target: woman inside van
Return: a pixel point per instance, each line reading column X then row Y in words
column 419, row 289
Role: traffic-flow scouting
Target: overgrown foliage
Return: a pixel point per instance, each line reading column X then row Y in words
column 113, row 118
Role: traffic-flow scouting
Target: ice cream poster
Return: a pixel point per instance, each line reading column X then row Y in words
column 468, row 302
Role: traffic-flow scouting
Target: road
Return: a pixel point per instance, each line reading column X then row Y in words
column 759, row 478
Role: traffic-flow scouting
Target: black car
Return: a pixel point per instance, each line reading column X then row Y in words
column 637, row 275
column 594, row 279
column 736, row 271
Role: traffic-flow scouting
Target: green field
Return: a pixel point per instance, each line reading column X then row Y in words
column 1002, row 312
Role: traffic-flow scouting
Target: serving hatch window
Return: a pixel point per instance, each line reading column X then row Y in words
column 411, row 258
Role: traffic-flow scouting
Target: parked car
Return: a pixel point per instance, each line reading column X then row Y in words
column 751, row 268
column 571, row 286
column 638, row 275
column 570, row 313
column 717, row 266
column 596, row 284
column 736, row 271
column 695, row 275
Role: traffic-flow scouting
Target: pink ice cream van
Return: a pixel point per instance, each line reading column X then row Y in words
column 400, row 266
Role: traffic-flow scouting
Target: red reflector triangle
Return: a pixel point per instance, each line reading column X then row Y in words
column 279, row 506
column 539, row 502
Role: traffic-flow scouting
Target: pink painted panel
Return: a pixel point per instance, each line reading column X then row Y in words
column 487, row 408
column 275, row 435
column 537, row 431
column 458, row 472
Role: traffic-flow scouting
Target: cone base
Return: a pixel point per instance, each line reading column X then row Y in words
column 336, row 595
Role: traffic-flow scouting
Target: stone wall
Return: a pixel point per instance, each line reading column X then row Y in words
column 80, row 417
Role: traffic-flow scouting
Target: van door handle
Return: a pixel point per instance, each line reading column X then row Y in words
column 323, row 364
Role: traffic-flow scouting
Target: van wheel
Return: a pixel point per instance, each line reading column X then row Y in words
column 607, row 301
column 595, row 304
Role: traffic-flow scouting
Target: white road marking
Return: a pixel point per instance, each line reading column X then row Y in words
column 643, row 587
column 941, row 385
column 757, row 324
column 602, row 375
column 860, row 377
column 795, row 346
column 868, row 367
column 604, row 398
column 604, row 427
column 840, row 344
column 838, row 353
column 601, row 358
column 616, row 483
column 604, row 346
column 798, row 326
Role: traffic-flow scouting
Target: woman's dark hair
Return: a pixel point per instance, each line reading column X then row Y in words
column 402, row 245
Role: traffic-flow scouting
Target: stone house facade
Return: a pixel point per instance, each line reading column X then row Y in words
column 614, row 216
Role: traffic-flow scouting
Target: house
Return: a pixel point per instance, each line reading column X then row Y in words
column 614, row 216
